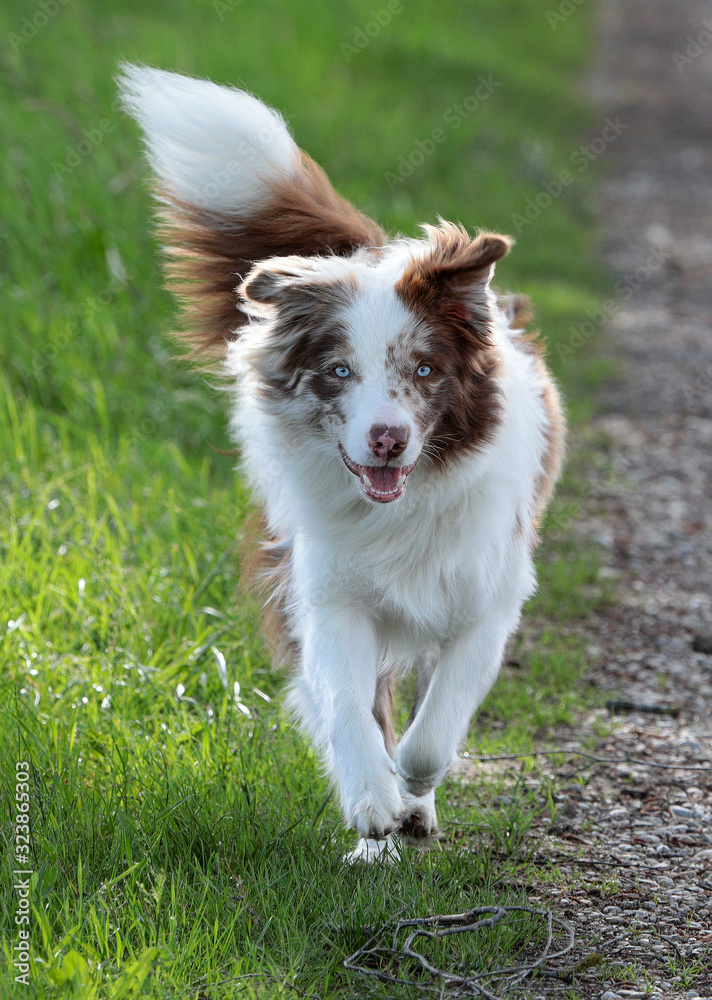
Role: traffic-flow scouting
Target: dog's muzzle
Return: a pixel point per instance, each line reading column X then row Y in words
column 380, row 483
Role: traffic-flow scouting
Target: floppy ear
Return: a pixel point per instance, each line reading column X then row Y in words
column 454, row 272
column 267, row 282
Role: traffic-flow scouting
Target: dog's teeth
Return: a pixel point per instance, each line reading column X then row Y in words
column 370, row 488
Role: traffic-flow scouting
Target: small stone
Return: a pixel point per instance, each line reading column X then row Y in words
column 665, row 883
column 682, row 812
column 610, row 995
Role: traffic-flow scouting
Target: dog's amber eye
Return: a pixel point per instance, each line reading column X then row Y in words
column 342, row 371
column 424, row 371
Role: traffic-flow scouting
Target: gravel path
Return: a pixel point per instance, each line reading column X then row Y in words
column 634, row 839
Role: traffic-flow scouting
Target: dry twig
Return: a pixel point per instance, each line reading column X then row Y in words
column 592, row 757
column 435, row 927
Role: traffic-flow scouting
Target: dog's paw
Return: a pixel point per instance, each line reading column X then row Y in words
column 419, row 822
column 419, row 826
column 374, row 819
column 387, row 851
column 377, row 811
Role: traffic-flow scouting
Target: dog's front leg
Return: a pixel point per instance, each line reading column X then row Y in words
column 466, row 671
column 335, row 695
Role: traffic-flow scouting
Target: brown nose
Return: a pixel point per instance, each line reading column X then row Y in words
column 388, row 442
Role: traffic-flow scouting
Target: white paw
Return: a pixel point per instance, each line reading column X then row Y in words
column 419, row 822
column 376, row 812
column 367, row 851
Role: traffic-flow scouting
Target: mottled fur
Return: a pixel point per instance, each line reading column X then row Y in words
column 398, row 428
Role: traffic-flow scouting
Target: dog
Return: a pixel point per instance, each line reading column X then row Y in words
column 397, row 426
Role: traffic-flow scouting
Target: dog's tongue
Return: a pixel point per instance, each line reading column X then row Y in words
column 383, row 484
column 384, row 478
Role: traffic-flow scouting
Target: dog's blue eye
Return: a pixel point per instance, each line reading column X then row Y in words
column 342, row 371
column 424, row 370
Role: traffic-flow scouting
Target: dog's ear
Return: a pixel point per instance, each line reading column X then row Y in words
column 454, row 271
column 267, row 282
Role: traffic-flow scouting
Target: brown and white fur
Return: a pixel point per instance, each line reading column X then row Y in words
column 400, row 432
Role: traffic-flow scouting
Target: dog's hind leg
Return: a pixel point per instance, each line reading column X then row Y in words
column 420, row 823
column 383, row 711
column 425, row 668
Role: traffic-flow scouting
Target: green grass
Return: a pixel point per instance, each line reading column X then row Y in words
column 182, row 834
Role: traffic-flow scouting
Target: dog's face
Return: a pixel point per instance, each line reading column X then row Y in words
column 386, row 358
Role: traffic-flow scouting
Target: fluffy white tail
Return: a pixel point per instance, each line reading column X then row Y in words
column 209, row 145
column 234, row 189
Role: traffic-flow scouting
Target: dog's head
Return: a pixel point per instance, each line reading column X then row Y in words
column 387, row 356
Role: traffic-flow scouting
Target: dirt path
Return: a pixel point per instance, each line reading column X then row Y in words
column 636, row 838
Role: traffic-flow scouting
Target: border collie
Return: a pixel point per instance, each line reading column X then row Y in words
column 398, row 428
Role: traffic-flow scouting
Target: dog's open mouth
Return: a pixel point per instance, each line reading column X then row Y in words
column 381, row 483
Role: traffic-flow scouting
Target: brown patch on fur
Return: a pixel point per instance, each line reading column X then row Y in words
column 383, row 706
column 265, row 574
column 306, row 339
column 474, row 406
column 519, row 313
column 447, row 289
column 518, row 310
column 555, row 439
column 455, row 267
column 210, row 253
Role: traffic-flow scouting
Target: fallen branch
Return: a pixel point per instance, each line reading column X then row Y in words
column 433, row 928
column 621, row 705
column 592, row 757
